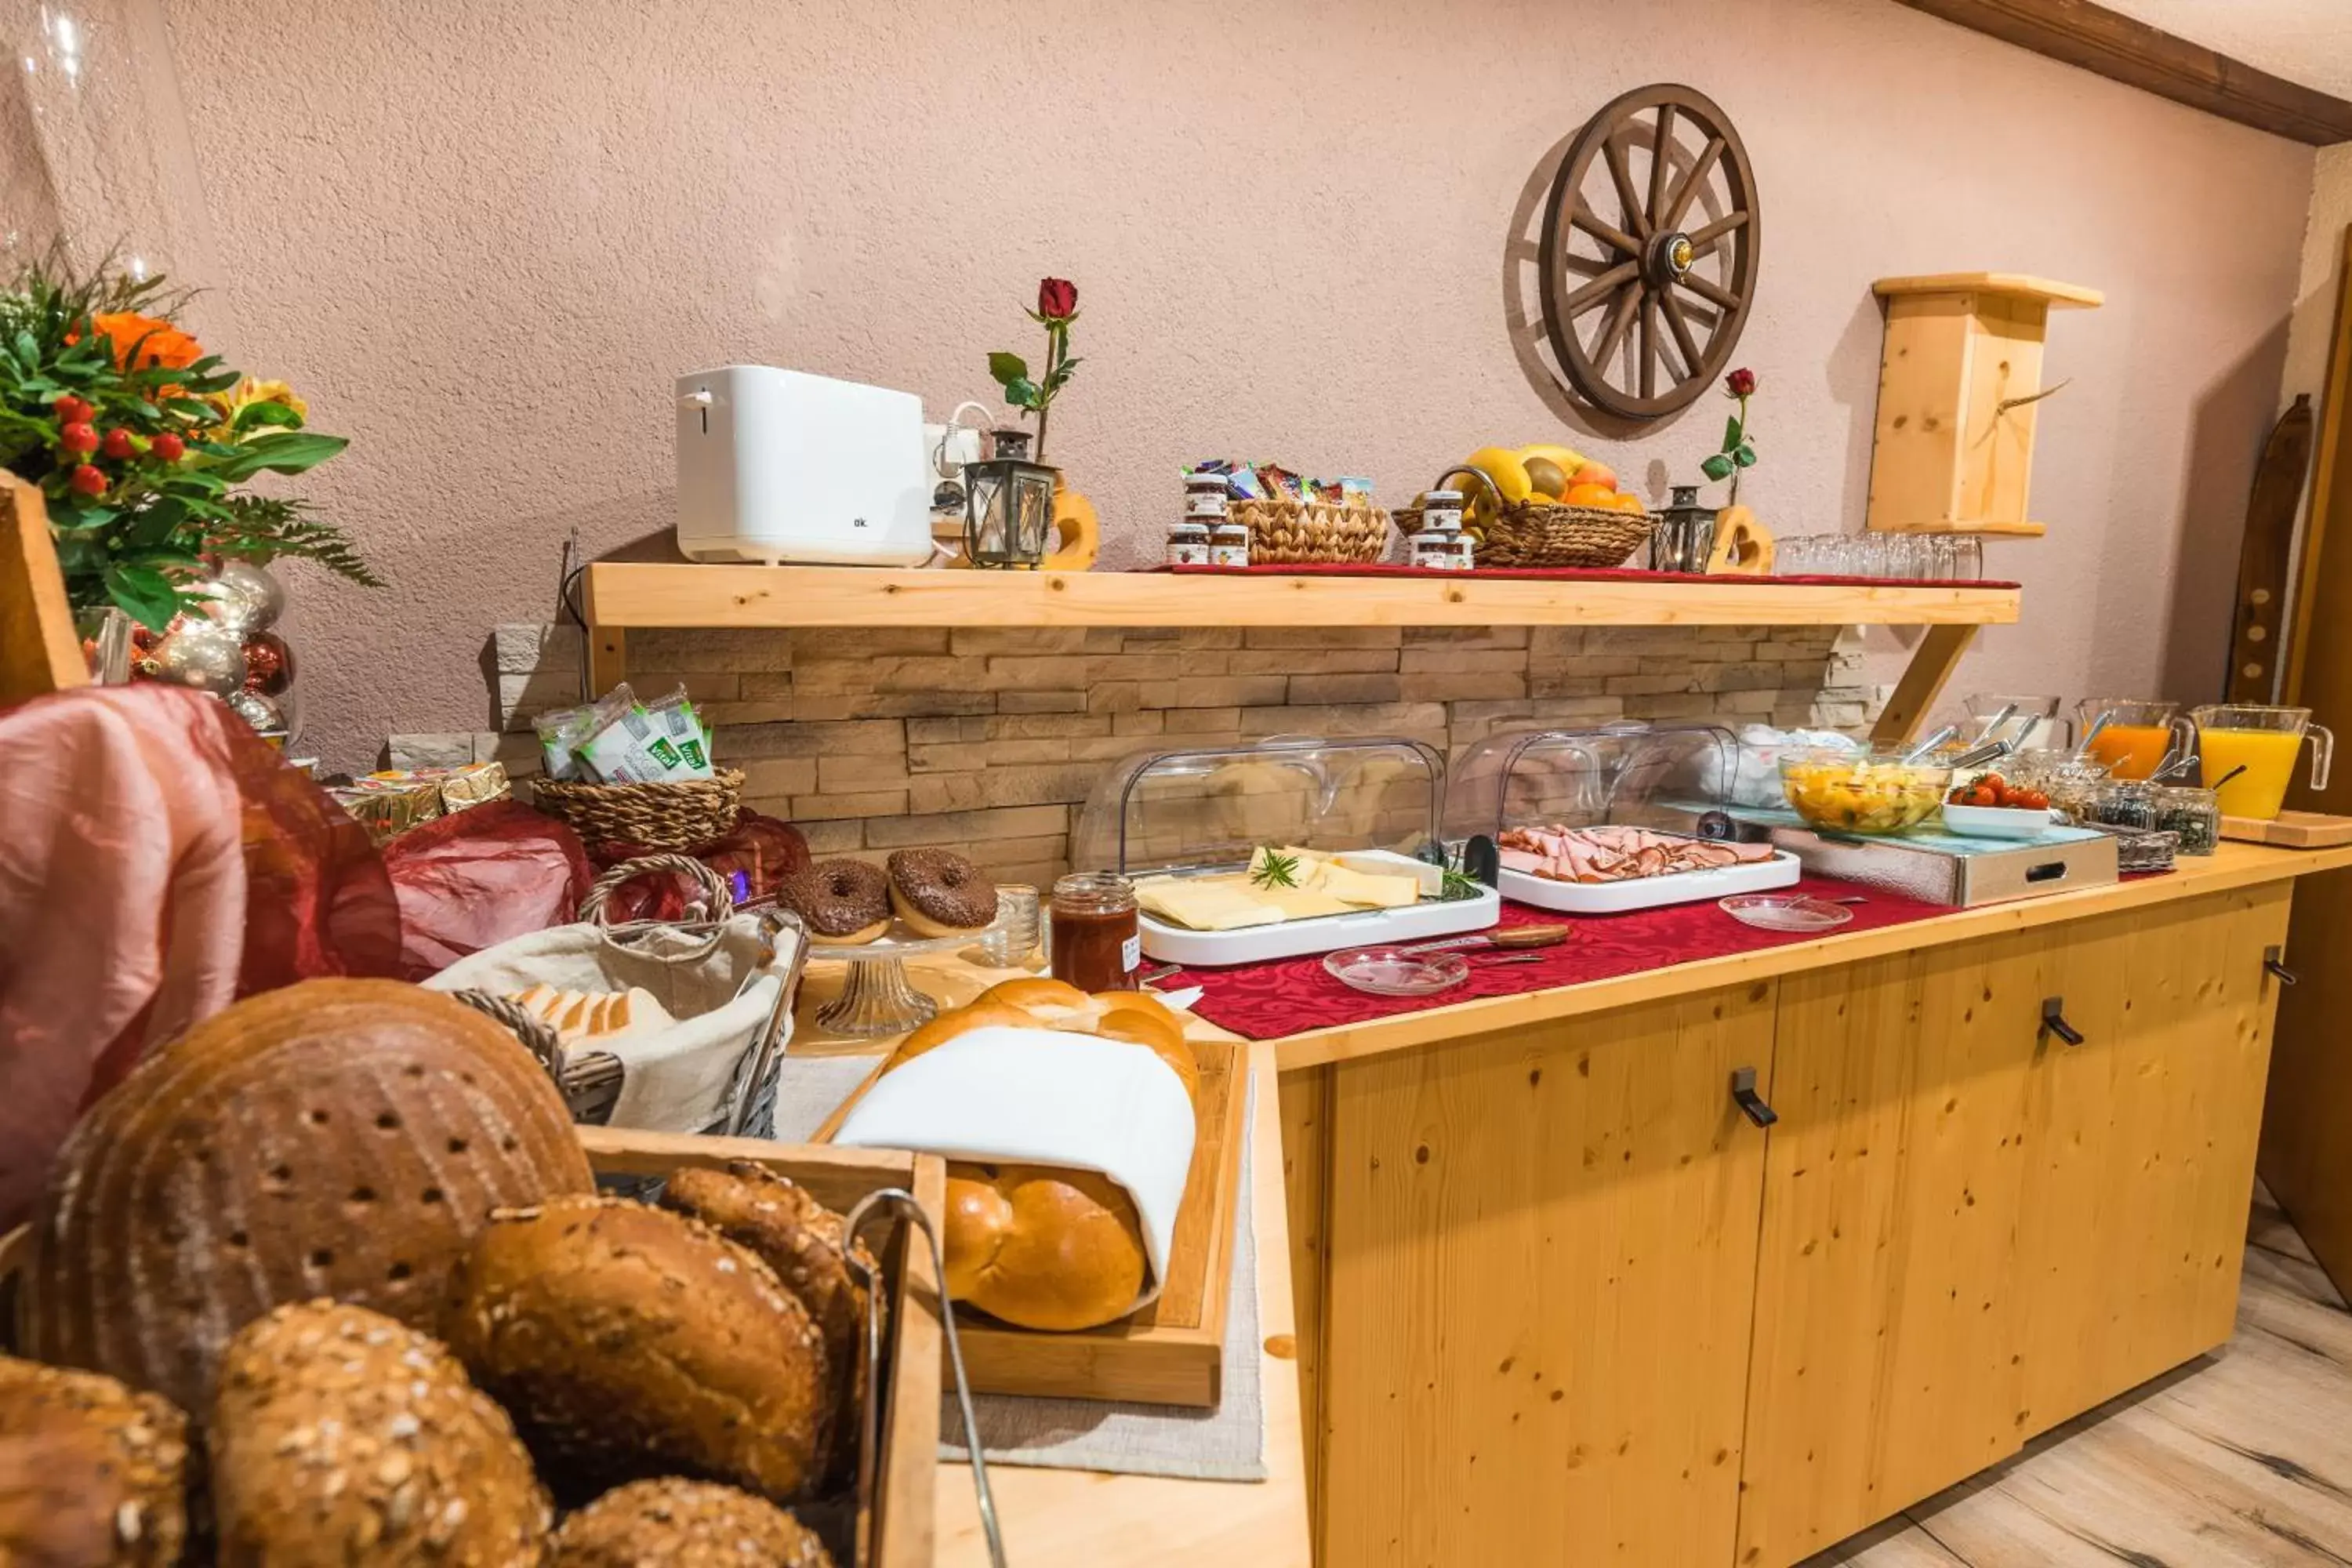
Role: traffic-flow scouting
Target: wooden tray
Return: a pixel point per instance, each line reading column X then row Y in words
column 895, row 1529
column 1173, row 1351
column 2291, row 830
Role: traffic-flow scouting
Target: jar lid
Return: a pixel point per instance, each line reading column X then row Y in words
column 1206, row 481
column 1188, row 525
column 1441, row 498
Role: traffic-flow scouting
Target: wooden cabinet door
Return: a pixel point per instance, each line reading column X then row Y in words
column 1542, row 1255
column 2140, row 1147
column 1881, row 1369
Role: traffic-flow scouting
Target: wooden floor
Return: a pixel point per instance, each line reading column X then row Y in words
column 2243, row 1456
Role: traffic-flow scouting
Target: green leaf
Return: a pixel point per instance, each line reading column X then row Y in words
column 1745, row 456
column 1716, row 467
column 1731, row 433
column 254, row 414
column 1061, row 373
column 28, row 352
column 145, row 595
column 1007, row 368
column 278, row 452
column 73, row 517
column 1021, row 392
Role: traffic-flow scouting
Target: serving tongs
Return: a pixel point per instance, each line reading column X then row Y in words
column 902, row 1205
column 1977, row 757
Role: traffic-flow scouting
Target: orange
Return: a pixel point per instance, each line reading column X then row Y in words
column 1627, row 502
column 1584, row 493
column 1596, row 473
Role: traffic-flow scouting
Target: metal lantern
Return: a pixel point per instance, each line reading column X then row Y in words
column 1683, row 536
column 1008, row 519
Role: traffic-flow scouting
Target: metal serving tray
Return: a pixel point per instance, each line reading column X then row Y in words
column 1940, row 868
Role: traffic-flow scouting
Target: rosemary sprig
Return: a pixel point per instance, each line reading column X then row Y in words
column 1454, row 885
column 1276, row 870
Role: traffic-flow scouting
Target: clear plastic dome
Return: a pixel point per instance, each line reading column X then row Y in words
column 1640, row 775
column 1179, row 808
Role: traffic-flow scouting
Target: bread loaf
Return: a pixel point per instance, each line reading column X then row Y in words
column 338, row 1138
column 630, row 1342
column 91, row 1474
column 1042, row 1247
column 340, row 1436
column 680, row 1523
column 800, row 1239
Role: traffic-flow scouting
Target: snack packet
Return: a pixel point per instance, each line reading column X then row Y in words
column 675, row 712
column 561, row 733
column 633, row 748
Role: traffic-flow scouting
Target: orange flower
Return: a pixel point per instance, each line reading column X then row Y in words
column 158, row 342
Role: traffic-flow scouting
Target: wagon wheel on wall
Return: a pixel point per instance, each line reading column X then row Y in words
column 1648, row 252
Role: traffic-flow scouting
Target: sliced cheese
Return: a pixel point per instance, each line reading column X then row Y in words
column 1428, row 878
column 1203, row 906
column 1302, row 903
column 1381, row 892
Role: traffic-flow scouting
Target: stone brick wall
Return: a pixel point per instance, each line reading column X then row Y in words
column 989, row 740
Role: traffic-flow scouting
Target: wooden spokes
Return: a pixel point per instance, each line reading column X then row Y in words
column 1649, row 250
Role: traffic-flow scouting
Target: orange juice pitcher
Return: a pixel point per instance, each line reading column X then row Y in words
column 2136, row 736
column 2248, row 755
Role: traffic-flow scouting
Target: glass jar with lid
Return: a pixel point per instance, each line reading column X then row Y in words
column 2194, row 813
column 1094, row 943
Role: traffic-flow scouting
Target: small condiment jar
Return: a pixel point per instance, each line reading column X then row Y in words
column 2192, row 813
column 1229, row 543
column 1096, row 942
column 2125, row 803
column 1442, row 510
column 1205, row 497
column 1432, row 549
column 1188, row 544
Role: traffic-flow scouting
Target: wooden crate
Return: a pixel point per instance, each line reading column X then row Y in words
column 1173, row 1351
column 895, row 1529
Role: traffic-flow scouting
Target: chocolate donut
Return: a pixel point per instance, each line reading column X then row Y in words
column 841, row 900
column 940, row 893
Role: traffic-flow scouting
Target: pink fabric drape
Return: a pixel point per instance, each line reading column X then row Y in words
column 157, row 860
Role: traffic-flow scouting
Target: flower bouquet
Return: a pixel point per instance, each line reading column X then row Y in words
column 139, row 440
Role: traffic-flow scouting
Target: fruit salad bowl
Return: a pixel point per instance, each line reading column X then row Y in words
column 1868, row 792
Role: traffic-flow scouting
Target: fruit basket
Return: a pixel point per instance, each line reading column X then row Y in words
column 1301, row 532
column 1540, row 533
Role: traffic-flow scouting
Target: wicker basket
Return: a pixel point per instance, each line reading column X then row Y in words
column 683, row 814
column 1299, row 533
column 1531, row 535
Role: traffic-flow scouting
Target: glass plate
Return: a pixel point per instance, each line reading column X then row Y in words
column 1395, row 972
column 1785, row 911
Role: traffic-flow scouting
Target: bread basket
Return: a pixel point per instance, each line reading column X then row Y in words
column 1536, row 533
column 682, row 813
column 1305, row 533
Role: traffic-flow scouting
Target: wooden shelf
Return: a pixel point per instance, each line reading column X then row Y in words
column 1956, row 525
column 626, row 593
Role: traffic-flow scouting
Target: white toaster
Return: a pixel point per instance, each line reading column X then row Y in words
column 775, row 466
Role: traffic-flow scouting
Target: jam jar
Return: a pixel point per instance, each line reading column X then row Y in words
column 1097, row 943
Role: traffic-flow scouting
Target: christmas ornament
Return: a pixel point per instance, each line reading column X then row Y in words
column 268, row 664
column 202, row 654
column 258, row 711
column 243, row 597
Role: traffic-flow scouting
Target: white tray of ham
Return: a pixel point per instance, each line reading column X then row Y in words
column 1599, row 870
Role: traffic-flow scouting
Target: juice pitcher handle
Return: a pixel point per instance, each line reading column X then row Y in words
column 2184, row 736
column 2323, row 752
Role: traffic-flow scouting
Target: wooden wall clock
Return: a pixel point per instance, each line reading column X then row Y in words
column 1648, row 252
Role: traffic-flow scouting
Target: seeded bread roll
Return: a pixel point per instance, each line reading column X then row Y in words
column 679, row 1524
column 91, row 1474
column 800, row 1238
column 341, row 1435
column 341, row 1138
column 631, row 1342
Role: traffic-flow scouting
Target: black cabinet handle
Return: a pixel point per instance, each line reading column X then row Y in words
column 1752, row 1104
column 2053, row 1021
column 2274, row 960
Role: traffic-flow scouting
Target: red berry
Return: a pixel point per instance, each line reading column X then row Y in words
column 89, row 480
column 79, row 436
column 117, row 444
column 168, row 446
column 72, row 410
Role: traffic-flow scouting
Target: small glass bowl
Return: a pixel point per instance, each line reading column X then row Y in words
column 1785, row 911
column 1393, row 972
column 1874, row 792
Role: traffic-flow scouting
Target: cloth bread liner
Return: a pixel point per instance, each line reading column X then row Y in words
column 673, row 1079
column 1044, row 1096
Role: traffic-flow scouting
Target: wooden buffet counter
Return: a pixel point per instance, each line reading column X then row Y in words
column 1558, row 1300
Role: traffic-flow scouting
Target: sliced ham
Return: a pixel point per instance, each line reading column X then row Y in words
column 1616, row 852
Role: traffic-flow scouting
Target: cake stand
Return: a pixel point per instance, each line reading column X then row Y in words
column 877, row 997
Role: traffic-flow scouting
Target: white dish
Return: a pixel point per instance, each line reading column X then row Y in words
column 1172, row 944
column 1995, row 821
column 1652, row 892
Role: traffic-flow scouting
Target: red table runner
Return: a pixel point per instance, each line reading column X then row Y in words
column 1568, row 574
column 1288, row 995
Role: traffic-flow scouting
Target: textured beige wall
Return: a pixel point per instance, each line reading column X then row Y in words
column 483, row 237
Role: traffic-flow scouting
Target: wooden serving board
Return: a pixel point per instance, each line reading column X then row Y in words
column 1173, row 1351
column 2291, row 830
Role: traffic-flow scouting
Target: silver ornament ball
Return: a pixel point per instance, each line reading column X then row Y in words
column 243, row 597
column 202, row 654
column 258, row 711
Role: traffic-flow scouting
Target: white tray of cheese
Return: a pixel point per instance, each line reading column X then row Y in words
column 1341, row 898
